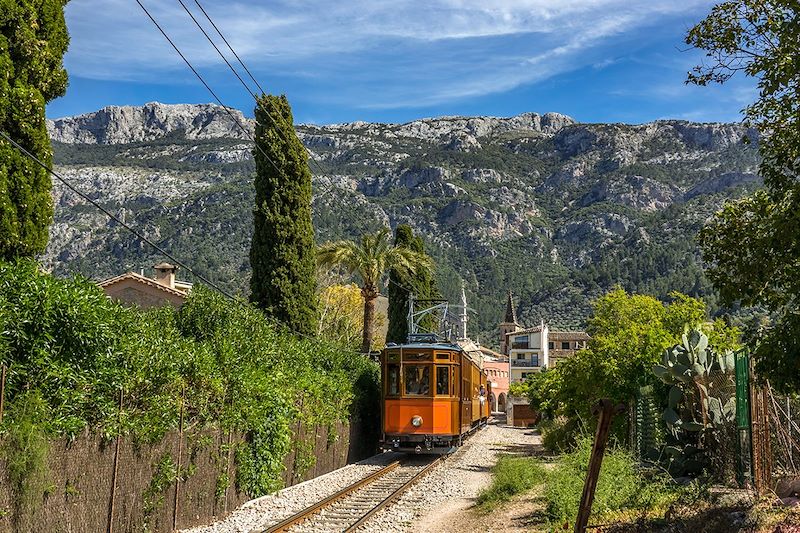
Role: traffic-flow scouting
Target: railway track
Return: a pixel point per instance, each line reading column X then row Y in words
column 350, row 508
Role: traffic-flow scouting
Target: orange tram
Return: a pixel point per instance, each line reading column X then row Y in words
column 433, row 395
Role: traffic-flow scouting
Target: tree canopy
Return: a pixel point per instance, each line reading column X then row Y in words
column 282, row 250
column 629, row 332
column 421, row 284
column 370, row 260
column 33, row 40
column 752, row 246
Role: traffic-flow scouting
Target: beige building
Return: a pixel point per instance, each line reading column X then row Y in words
column 134, row 289
column 530, row 350
column 563, row 344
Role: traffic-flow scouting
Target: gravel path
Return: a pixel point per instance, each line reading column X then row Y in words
column 433, row 504
column 437, row 502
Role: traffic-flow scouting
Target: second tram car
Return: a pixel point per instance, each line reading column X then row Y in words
column 433, row 395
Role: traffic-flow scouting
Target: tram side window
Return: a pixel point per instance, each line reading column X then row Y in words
column 393, row 380
column 442, row 381
column 418, row 379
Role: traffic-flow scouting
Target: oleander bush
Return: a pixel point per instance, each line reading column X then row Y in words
column 73, row 349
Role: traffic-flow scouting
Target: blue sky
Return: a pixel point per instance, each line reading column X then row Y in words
column 595, row 60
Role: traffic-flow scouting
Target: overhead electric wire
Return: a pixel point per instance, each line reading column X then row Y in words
column 238, row 123
column 244, row 84
column 207, row 86
column 230, row 48
column 155, row 246
column 111, row 215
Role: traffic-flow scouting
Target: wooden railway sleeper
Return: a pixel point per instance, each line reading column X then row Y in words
column 302, row 515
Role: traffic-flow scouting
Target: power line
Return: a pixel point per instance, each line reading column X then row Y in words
column 111, row 215
column 207, row 86
column 258, row 102
column 225, row 59
column 210, row 90
column 247, row 133
column 155, row 246
column 231, row 48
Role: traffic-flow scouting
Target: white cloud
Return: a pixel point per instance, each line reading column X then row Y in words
column 398, row 53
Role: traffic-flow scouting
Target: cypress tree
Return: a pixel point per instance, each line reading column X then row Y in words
column 33, row 40
column 282, row 253
column 421, row 285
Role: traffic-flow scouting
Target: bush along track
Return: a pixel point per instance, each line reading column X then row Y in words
column 70, row 351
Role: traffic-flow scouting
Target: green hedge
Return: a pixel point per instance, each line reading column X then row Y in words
column 66, row 343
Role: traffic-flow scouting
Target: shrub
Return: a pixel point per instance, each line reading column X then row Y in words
column 225, row 362
column 25, row 450
column 559, row 434
column 621, row 489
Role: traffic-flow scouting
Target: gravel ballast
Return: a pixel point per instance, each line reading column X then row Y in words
column 431, row 504
column 263, row 512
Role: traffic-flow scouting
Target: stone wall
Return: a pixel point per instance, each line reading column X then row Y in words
column 78, row 491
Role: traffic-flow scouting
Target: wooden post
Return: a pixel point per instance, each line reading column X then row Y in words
column 178, row 472
column 112, row 501
column 2, row 389
column 606, row 410
column 228, row 468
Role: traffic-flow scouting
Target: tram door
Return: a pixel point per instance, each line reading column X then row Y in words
column 466, row 394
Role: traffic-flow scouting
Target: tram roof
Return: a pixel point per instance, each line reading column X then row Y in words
column 427, row 346
column 468, row 348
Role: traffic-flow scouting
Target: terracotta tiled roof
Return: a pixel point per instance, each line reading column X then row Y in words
column 141, row 279
column 534, row 329
column 568, row 336
column 491, row 353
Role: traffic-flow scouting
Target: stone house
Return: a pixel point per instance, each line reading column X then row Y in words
column 137, row 290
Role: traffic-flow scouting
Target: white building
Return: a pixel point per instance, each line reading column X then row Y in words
column 530, row 350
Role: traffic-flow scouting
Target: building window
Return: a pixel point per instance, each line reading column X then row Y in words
column 565, row 345
column 520, row 342
column 535, row 360
column 520, row 357
column 551, row 345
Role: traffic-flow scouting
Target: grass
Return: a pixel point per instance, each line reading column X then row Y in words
column 512, row 476
column 623, row 493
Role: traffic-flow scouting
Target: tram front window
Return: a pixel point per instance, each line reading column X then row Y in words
column 442, row 381
column 393, row 380
column 418, row 379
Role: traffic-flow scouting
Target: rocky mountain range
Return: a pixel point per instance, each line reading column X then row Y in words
column 552, row 209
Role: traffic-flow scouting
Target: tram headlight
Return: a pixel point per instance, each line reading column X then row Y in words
column 416, row 421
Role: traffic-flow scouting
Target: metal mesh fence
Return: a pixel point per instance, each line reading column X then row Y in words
column 721, row 502
column 721, row 444
column 714, row 402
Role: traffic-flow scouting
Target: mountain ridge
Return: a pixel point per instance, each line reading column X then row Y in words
column 556, row 210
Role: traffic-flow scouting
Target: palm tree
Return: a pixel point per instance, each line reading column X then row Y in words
column 371, row 259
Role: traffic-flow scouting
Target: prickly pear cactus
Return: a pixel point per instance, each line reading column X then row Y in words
column 691, row 413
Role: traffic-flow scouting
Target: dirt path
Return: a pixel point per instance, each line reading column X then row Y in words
column 472, row 473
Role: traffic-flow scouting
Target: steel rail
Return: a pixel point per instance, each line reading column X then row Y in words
column 317, row 507
column 394, row 495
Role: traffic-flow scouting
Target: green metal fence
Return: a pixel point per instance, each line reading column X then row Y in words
column 743, row 427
